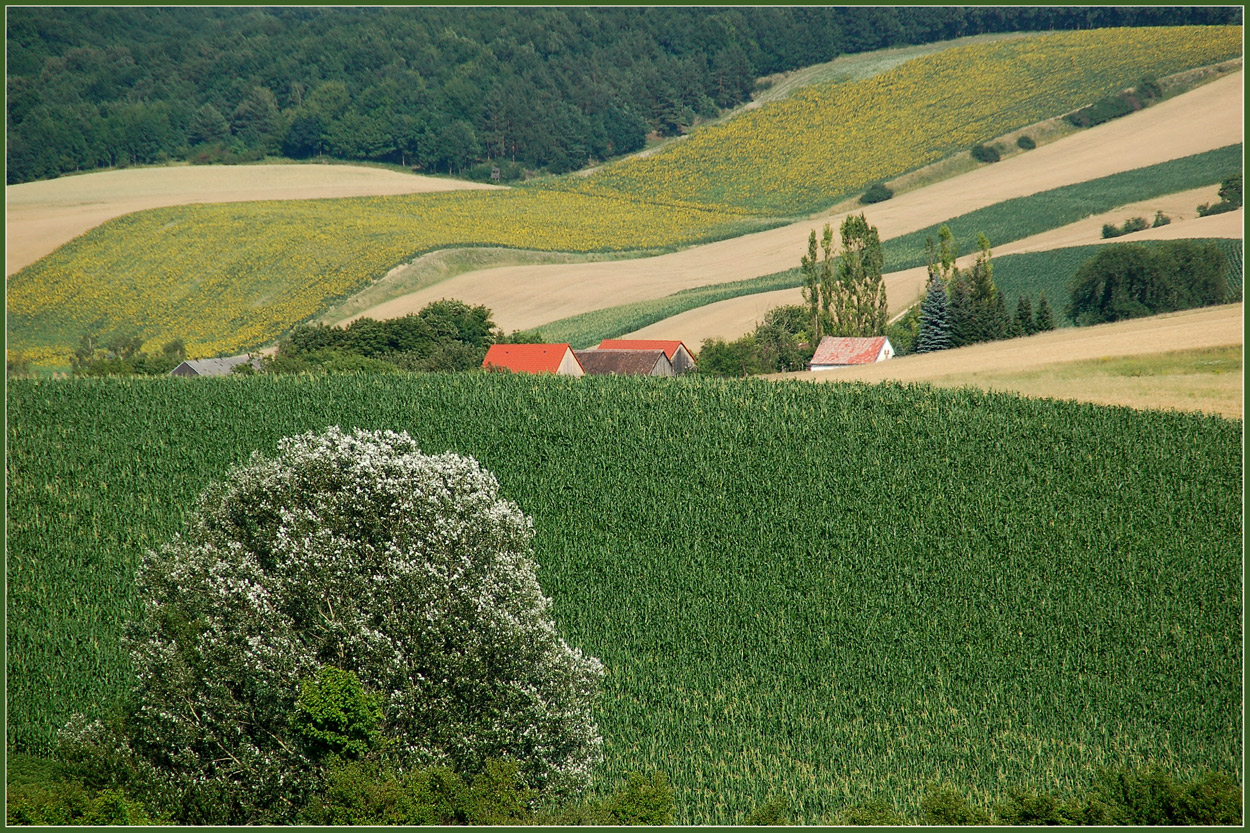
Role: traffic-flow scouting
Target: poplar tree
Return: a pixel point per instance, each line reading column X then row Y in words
column 859, row 305
column 811, row 286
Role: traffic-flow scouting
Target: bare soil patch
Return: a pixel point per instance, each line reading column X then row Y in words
column 40, row 216
column 525, row 297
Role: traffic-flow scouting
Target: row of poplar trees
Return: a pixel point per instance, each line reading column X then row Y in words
column 845, row 296
column 964, row 307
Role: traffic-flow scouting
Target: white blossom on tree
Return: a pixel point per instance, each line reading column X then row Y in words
column 353, row 550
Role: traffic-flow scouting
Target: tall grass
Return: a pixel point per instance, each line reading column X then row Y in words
column 818, row 592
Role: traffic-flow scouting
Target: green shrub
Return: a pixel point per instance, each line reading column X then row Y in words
column 58, row 799
column 1130, row 280
column 771, row 812
column 1152, row 795
column 1161, row 219
column 985, row 153
column 1026, row 143
column 877, row 192
column 333, row 714
column 1230, row 198
column 372, row 792
column 1131, row 225
column 647, row 801
column 944, row 805
column 876, row 811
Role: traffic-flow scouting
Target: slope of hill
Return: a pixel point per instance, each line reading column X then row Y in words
column 148, row 274
column 526, row 297
column 734, row 317
column 1086, row 364
column 897, row 586
column 41, row 216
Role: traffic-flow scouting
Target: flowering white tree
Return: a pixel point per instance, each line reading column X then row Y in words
column 354, row 551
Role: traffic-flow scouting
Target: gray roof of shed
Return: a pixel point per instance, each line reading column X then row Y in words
column 621, row 362
column 215, row 367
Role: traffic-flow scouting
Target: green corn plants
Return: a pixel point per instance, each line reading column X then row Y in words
column 948, row 587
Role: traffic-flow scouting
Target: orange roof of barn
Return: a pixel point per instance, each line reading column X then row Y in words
column 669, row 347
column 835, row 350
column 526, row 358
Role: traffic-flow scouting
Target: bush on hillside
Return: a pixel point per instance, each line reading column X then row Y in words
column 1129, row 280
column 1131, row 225
column 877, row 192
column 353, row 551
column 1026, row 143
column 985, row 153
column 1230, row 198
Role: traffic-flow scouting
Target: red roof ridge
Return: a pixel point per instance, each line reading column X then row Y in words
column 669, row 346
column 527, row 358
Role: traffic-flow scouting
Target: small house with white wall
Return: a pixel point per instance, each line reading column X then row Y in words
column 836, row 351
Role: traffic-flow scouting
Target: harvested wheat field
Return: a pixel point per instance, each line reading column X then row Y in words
column 1087, row 371
column 524, row 297
column 735, row 317
column 40, row 216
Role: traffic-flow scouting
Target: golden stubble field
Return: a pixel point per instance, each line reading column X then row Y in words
column 1082, row 363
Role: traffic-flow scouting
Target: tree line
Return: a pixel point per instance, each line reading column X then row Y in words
column 448, row 90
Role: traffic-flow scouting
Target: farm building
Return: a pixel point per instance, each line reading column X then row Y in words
column 533, row 358
column 213, row 367
column 681, row 358
column 625, row 362
column 833, row 352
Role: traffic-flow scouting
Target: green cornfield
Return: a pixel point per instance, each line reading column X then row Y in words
column 822, row 593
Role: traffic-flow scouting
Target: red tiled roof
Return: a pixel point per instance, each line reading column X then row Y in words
column 835, row 350
column 526, row 358
column 669, row 347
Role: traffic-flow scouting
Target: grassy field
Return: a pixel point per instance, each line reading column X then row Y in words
column 935, row 586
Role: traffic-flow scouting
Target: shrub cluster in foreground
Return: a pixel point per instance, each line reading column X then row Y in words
column 368, row 792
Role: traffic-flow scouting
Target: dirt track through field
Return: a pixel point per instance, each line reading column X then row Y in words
column 735, row 317
column 40, row 216
column 524, row 297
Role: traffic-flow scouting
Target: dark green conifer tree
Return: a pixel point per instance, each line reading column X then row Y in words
column 933, row 332
column 1024, row 316
column 1045, row 318
column 960, row 313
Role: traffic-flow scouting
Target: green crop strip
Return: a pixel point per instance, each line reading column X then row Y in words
column 823, row 592
column 1031, row 273
column 1002, row 222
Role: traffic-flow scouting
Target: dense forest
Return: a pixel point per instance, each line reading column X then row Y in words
column 443, row 90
